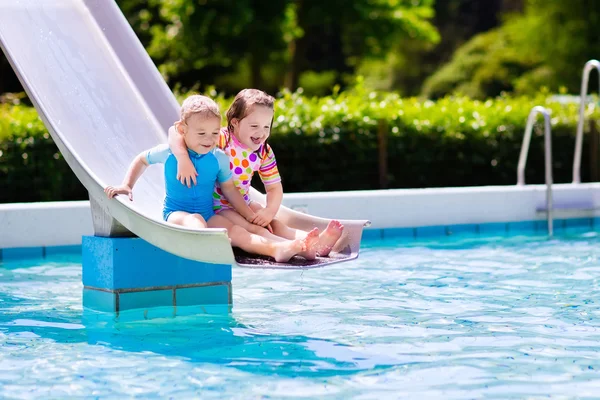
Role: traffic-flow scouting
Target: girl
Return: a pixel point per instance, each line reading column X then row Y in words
column 198, row 129
column 249, row 121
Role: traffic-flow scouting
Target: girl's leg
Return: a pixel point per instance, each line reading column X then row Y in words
column 327, row 238
column 279, row 228
column 237, row 219
column 187, row 219
column 311, row 239
column 281, row 251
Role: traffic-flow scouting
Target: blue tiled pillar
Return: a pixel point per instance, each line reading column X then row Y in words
column 121, row 274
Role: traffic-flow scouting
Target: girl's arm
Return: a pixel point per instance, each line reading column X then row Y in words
column 136, row 169
column 274, row 197
column 234, row 197
column 269, row 174
column 186, row 172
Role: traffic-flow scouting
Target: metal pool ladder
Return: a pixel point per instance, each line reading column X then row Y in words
column 591, row 64
column 547, row 158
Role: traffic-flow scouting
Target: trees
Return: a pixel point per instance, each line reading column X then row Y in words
column 196, row 41
column 199, row 41
column 488, row 64
column 547, row 46
column 412, row 60
column 565, row 35
column 337, row 34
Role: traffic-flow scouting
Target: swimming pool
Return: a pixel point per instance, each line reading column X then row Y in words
column 452, row 317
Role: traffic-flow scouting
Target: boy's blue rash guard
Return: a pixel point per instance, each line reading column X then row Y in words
column 197, row 199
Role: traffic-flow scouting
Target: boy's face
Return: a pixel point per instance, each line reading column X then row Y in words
column 201, row 133
column 254, row 128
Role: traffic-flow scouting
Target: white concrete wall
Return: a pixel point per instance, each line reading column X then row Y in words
column 445, row 206
column 44, row 224
column 54, row 224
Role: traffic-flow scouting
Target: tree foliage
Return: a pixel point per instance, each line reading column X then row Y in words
column 413, row 60
column 199, row 41
column 546, row 46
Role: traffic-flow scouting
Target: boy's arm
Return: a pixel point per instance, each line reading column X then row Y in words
column 264, row 216
column 234, row 197
column 186, row 172
column 136, row 169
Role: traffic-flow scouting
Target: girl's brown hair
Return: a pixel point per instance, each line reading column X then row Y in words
column 242, row 105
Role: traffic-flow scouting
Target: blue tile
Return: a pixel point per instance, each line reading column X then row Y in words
column 521, row 227
column 20, row 253
column 408, row 233
column 125, row 263
column 464, row 229
column 97, row 260
column 145, row 299
column 541, row 226
column 372, row 234
column 54, row 250
column 99, row 300
column 559, row 225
column 430, row 231
column 493, row 228
column 203, row 295
column 138, row 314
column 213, row 309
column 578, row 223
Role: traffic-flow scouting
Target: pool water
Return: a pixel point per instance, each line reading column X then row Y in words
column 492, row 317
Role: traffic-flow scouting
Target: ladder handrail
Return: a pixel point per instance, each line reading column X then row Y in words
column 591, row 64
column 547, row 157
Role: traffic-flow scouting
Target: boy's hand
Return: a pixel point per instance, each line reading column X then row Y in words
column 263, row 217
column 186, row 173
column 112, row 191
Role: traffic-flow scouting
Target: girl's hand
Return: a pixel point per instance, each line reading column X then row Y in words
column 251, row 218
column 186, row 172
column 112, row 191
column 263, row 217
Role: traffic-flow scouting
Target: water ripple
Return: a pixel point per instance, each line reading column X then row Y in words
column 452, row 318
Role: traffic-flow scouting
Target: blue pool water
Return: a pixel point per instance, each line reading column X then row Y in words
column 454, row 318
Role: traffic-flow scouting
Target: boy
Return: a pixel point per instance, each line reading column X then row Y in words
column 192, row 207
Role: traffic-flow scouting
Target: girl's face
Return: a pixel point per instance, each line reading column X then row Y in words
column 254, row 129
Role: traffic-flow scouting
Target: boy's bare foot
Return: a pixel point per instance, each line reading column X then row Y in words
column 288, row 249
column 329, row 237
column 311, row 242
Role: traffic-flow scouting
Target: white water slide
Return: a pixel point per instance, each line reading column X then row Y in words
column 103, row 101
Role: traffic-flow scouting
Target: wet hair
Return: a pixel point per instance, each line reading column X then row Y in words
column 199, row 105
column 243, row 104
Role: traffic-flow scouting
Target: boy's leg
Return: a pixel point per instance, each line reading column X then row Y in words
column 187, row 219
column 281, row 251
column 327, row 238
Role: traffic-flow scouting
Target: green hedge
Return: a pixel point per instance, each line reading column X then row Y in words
column 330, row 143
column 31, row 167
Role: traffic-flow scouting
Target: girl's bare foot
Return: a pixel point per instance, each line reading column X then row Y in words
column 329, row 237
column 311, row 242
column 283, row 251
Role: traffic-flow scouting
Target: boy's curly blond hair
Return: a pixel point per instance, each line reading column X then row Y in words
column 201, row 105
